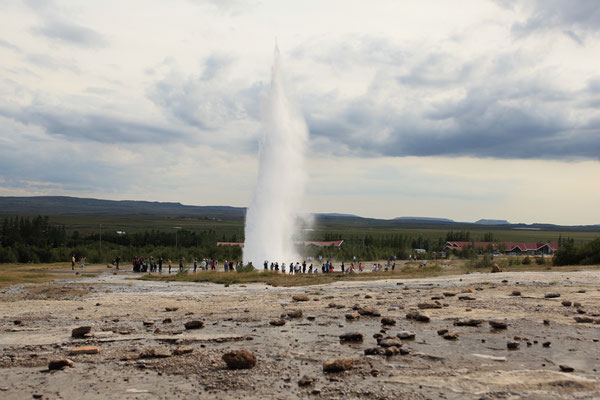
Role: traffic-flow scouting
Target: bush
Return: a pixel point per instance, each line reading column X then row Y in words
column 246, row 268
column 527, row 261
column 484, row 262
column 540, row 260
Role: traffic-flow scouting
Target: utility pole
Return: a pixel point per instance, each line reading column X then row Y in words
column 177, row 228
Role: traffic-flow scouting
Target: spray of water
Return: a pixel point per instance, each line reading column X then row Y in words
column 279, row 193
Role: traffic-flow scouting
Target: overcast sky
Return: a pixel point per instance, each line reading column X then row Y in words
column 465, row 110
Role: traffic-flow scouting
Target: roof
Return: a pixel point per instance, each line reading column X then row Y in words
column 335, row 243
column 508, row 246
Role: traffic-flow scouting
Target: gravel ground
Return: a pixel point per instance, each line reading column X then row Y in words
column 129, row 317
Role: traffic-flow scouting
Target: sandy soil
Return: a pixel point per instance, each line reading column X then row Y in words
column 477, row 365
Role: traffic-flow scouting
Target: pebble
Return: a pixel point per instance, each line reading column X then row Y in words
column 295, row 314
column 306, row 381
column 277, row 322
column 171, row 309
column 299, row 297
column 566, row 303
column 417, row 316
column 451, row 336
column 352, row 316
column 512, row 345
column 566, row 368
column 406, row 335
column 85, row 350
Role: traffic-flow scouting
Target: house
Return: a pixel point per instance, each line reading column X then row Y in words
column 334, row 243
column 506, row 247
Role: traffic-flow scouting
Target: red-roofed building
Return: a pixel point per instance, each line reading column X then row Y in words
column 334, row 243
column 506, row 247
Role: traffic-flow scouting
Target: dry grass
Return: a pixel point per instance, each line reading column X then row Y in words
column 13, row 274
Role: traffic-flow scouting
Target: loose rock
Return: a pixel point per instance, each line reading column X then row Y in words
column 498, row 324
column 417, row 316
column 390, row 341
column 512, row 345
column 406, row 335
column 388, row 321
column 60, row 364
column 155, row 352
column 239, row 359
column 551, row 295
column 339, row 365
column 182, row 350
column 352, row 316
column 295, row 314
column 85, row 350
column 468, row 322
column 81, row 331
column 424, row 306
column 566, row 303
column 566, row 368
column 306, row 381
column 583, row 320
column 451, row 336
column 194, row 324
column 351, row 337
column 299, row 297
column 277, row 322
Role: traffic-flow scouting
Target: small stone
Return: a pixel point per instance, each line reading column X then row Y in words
column 299, row 297
column 516, row 293
column 239, row 359
column 566, row 368
column 339, row 365
column 306, row 381
column 417, row 316
column 294, row 314
column 277, row 322
column 171, row 309
column 155, row 352
column 388, row 321
column 498, row 324
column 373, row 351
column 583, row 320
column 451, row 336
column 194, row 324
column 351, row 337
column 449, row 294
column 60, row 364
column 546, row 344
column 148, row 323
column 546, row 322
column 389, row 342
column 577, row 304
column 512, row 345
column 182, row 350
column 81, row 331
column 442, row 331
column 466, row 298
column 17, row 322
column 566, row 303
column 468, row 322
column 580, row 311
column 551, row 295
column 406, row 335
column 352, row 316
column 85, row 350
column 368, row 311
column 167, row 321
column 391, row 351
column 424, row 306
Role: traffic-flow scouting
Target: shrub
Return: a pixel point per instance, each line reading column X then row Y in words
column 527, row 261
column 540, row 260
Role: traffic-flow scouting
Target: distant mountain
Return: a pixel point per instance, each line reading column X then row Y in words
column 64, row 205
column 428, row 219
column 337, row 215
column 492, row 222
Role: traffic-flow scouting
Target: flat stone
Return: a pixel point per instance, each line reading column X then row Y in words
column 85, row 350
column 451, row 336
column 277, row 322
column 388, row 321
column 182, row 350
column 583, row 320
column 306, row 381
column 468, row 322
column 295, row 314
column 566, row 368
column 417, row 316
column 498, row 324
column 425, row 306
column 406, row 335
column 368, row 312
column 155, row 352
column 551, row 295
column 466, row 298
column 299, row 297
column 390, row 341
column 171, row 309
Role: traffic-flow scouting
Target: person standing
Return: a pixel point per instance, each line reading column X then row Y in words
column 180, row 264
column 82, row 262
column 195, row 264
column 117, row 259
column 304, row 266
column 73, row 262
column 160, row 261
column 169, row 265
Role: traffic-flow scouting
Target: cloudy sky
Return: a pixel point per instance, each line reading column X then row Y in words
column 465, row 110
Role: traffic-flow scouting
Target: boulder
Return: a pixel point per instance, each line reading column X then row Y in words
column 406, row 335
column 390, row 341
column 295, row 314
column 352, row 316
column 300, row 297
column 498, row 324
column 277, row 322
column 417, row 316
column 388, row 321
column 239, row 359
column 583, row 320
column 512, row 345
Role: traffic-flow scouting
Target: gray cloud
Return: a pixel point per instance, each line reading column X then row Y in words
column 103, row 128
column 9, row 45
column 58, row 27
column 575, row 19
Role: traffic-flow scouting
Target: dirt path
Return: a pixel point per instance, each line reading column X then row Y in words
column 129, row 316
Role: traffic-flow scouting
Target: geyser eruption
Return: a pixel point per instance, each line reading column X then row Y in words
column 279, row 193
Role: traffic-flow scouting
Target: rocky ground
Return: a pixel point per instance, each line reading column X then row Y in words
column 425, row 338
